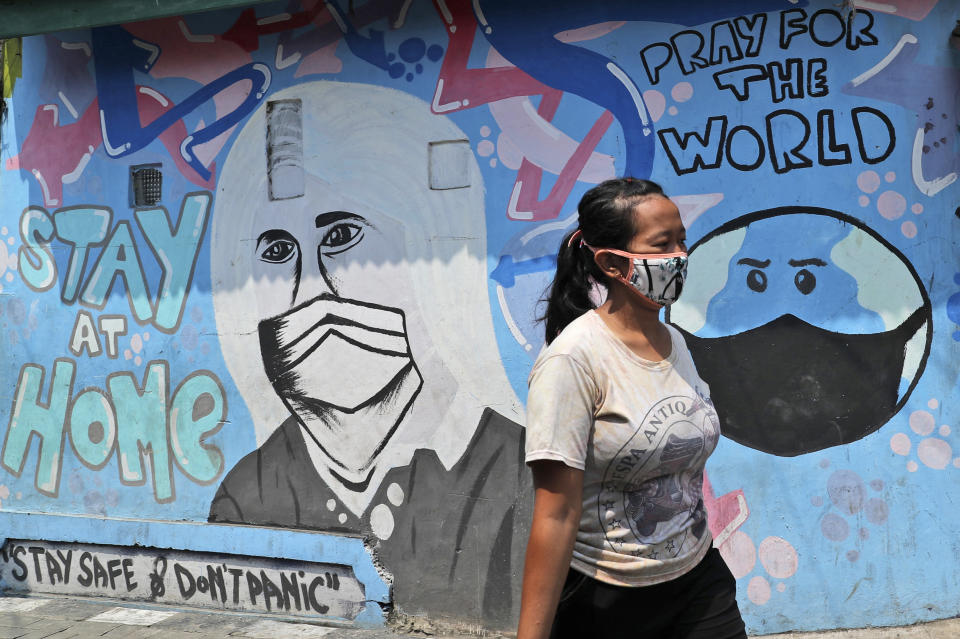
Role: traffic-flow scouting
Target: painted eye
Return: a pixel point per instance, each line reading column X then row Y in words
column 757, row 280
column 341, row 236
column 805, row 281
column 278, row 251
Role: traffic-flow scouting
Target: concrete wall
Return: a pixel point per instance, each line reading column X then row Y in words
column 314, row 346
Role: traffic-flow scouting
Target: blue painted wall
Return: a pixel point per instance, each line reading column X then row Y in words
column 813, row 153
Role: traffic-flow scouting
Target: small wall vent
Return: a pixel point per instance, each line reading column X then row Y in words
column 146, row 185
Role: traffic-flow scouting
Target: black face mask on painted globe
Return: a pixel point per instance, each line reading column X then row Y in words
column 788, row 387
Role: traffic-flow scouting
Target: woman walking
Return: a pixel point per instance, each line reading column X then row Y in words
column 619, row 426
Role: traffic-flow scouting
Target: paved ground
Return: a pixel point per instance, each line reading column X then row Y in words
column 56, row 618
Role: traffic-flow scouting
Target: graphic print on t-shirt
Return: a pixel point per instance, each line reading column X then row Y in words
column 654, row 480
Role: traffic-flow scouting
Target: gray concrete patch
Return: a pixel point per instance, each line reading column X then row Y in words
column 945, row 629
column 35, row 618
column 74, row 609
column 212, row 623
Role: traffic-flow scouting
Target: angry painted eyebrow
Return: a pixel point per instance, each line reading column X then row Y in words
column 325, row 219
column 810, row 261
column 749, row 261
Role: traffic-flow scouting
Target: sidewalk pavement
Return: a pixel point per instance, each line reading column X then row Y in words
column 65, row 618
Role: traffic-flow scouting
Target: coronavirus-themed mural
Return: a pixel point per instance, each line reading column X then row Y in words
column 270, row 279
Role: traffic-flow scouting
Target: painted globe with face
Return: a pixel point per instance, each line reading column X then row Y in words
column 810, row 328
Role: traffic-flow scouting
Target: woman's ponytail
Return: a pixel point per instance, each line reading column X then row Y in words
column 569, row 296
column 606, row 220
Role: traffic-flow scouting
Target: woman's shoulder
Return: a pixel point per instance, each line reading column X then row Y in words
column 577, row 341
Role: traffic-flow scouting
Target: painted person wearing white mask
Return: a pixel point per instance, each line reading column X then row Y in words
column 619, row 427
column 352, row 312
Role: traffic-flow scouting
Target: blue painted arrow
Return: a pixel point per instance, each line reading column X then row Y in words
column 507, row 269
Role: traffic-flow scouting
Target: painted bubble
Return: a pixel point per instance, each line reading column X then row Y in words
column 4, row 492
column 863, row 200
column 673, row 110
column 876, row 511
column 395, row 494
column 933, row 403
column 17, row 311
column 900, row 444
column 435, row 52
column 485, row 131
column 189, row 337
column 917, row 208
column 956, row 462
column 412, row 50
column 778, row 557
column 93, row 502
column 852, row 555
column 781, row 587
column 656, row 103
column 381, row 521
column 834, row 527
column 681, row 91
column 846, row 491
column 922, row 422
column 934, row 453
column 890, row 176
column 912, row 466
column 944, row 430
column 485, row 148
column 876, row 484
column 758, row 590
column 868, row 181
column 739, row 553
column 136, row 343
column 824, row 463
column 891, row 205
column 909, row 230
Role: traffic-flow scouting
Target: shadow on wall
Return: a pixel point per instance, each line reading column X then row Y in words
column 350, row 300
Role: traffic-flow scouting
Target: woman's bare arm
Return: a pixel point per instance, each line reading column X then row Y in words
column 556, row 517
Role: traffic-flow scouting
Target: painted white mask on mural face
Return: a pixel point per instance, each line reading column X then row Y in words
column 344, row 368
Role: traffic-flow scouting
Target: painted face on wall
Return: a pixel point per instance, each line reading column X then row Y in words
column 813, row 336
column 349, row 294
column 332, row 329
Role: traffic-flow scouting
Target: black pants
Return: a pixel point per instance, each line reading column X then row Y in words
column 701, row 604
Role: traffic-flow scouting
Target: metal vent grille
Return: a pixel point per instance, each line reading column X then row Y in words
column 146, row 185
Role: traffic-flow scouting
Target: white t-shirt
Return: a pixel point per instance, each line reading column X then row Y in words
column 641, row 431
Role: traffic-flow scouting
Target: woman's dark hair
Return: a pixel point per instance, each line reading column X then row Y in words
column 606, row 220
